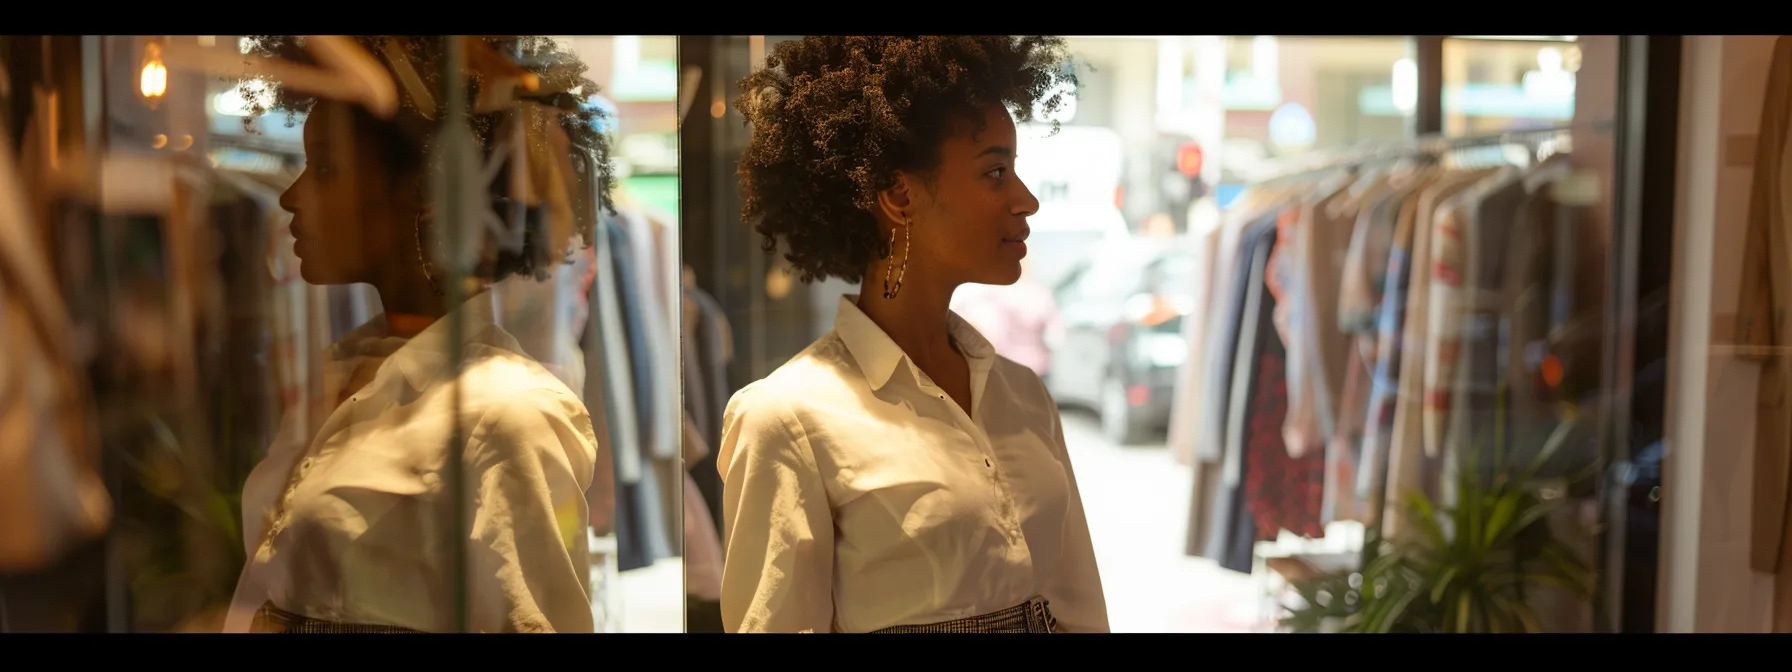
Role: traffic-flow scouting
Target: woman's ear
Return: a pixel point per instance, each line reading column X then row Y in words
column 894, row 204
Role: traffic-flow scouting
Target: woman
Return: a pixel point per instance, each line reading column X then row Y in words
column 363, row 527
column 898, row 475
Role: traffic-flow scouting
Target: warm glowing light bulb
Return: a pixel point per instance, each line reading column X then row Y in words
column 152, row 81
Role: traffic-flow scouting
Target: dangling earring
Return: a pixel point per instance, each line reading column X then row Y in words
column 890, row 292
column 422, row 258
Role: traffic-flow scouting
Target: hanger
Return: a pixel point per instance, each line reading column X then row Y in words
column 348, row 72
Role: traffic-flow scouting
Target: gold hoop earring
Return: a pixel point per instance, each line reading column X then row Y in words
column 422, row 258
column 890, row 292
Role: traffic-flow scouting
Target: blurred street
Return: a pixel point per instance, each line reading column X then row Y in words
column 1137, row 501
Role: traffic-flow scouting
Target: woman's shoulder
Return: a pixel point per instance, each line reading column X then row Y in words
column 822, row 371
column 499, row 377
column 514, row 403
column 824, row 368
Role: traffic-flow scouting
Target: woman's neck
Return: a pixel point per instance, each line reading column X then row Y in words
column 412, row 304
column 916, row 319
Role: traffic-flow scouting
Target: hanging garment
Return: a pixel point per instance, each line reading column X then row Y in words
column 694, row 374
column 1284, row 487
column 697, row 426
column 1766, row 291
column 608, row 373
column 649, row 300
column 637, row 329
column 1378, row 421
column 1230, row 287
column 1282, row 492
column 1204, row 404
column 715, row 345
column 644, row 496
column 1185, row 404
column 1406, row 455
column 1228, row 501
column 703, row 540
column 609, row 340
column 1534, row 396
column 1373, row 246
column 1459, row 312
column 51, row 496
column 1317, row 346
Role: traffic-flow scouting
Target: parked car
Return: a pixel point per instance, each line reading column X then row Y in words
column 1122, row 340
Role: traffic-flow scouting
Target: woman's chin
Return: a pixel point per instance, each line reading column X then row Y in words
column 318, row 274
column 1006, row 274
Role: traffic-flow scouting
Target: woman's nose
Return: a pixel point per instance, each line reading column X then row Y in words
column 289, row 199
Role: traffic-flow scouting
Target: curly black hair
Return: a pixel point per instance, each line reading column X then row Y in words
column 406, row 140
column 834, row 119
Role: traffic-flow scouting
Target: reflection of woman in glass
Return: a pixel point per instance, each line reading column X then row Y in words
column 356, row 529
column 898, row 475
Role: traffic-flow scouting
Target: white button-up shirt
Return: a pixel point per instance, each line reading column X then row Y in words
column 352, row 525
column 858, row 495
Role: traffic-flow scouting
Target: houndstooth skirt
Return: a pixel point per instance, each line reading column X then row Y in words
column 271, row 619
column 1032, row 616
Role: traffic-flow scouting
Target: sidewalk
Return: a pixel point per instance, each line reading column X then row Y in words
column 1137, row 501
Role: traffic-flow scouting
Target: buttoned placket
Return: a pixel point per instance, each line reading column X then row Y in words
column 980, row 439
column 283, row 508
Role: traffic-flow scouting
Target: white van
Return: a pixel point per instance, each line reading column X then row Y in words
column 1076, row 176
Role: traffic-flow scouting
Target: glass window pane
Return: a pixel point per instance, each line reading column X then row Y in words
column 370, row 331
column 1271, row 317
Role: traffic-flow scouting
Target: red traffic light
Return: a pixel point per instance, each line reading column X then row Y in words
column 1188, row 159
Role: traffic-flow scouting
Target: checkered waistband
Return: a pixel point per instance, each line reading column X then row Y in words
column 271, row 619
column 1034, row 615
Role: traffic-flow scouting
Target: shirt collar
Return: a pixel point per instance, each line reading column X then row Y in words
column 877, row 355
column 424, row 358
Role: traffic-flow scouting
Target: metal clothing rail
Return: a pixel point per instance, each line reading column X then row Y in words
column 1425, row 146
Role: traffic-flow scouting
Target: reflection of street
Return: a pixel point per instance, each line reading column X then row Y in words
column 1137, row 500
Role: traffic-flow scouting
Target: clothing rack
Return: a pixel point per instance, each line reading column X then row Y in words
column 1425, row 147
column 1468, row 151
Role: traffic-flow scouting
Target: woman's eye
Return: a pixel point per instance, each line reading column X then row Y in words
column 997, row 173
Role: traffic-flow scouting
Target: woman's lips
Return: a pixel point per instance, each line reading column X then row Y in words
column 1018, row 243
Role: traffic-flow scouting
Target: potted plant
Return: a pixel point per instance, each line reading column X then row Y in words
column 1467, row 568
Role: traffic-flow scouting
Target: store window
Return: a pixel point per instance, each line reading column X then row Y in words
column 360, row 332
column 1293, row 341
column 1494, row 84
